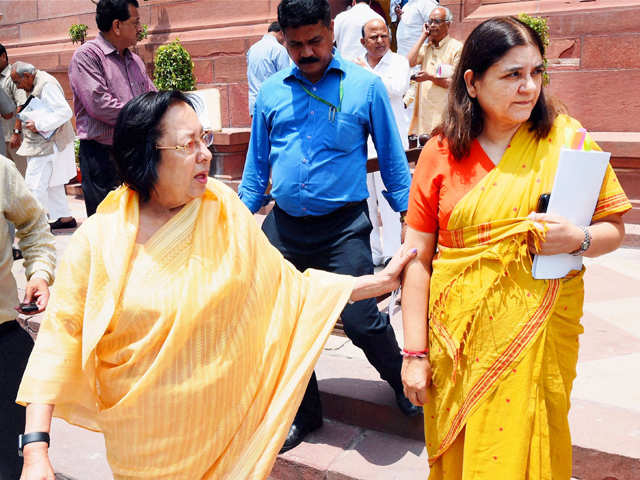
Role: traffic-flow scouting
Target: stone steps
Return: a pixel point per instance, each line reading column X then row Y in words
column 345, row 452
column 366, row 437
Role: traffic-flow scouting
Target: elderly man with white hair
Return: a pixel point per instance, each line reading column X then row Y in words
column 48, row 141
column 437, row 54
column 393, row 70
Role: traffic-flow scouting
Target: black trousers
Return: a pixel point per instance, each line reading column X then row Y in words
column 339, row 242
column 99, row 174
column 15, row 348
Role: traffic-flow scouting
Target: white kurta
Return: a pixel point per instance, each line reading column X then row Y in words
column 47, row 174
column 414, row 15
column 394, row 71
column 347, row 29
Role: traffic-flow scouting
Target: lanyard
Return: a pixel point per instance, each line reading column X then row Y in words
column 332, row 108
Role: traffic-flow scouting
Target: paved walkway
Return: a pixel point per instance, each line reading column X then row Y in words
column 605, row 415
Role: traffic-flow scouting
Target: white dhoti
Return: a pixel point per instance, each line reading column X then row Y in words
column 46, row 176
column 383, row 245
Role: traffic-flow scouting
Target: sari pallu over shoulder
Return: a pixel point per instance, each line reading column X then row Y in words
column 213, row 395
column 485, row 308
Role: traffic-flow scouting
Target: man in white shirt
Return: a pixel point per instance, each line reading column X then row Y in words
column 48, row 142
column 393, row 69
column 413, row 16
column 347, row 28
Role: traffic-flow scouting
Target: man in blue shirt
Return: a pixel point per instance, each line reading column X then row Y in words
column 264, row 58
column 309, row 132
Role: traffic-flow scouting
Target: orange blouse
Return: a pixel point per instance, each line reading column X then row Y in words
column 440, row 181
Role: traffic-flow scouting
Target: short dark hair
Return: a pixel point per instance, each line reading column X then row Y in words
column 3, row 50
column 487, row 44
column 296, row 13
column 274, row 27
column 134, row 139
column 109, row 10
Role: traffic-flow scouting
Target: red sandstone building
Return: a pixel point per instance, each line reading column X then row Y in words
column 594, row 57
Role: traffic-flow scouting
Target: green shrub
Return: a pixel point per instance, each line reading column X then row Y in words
column 78, row 32
column 540, row 26
column 173, row 68
column 144, row 33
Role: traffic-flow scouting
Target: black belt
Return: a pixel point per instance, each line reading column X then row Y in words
column 338, row 211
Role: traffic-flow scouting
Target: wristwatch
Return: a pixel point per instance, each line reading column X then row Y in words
column 586, row 243
column 16, row 131
column 31, row 438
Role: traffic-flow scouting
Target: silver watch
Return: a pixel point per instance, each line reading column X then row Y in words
column 586, row 243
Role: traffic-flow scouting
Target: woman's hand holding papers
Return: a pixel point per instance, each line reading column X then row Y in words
column 561, row 235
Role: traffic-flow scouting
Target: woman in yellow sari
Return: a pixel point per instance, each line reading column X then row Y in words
column 175, row 327
column 490, row 352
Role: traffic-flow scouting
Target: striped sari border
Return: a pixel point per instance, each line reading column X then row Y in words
column 612, row 202
column 489, row 378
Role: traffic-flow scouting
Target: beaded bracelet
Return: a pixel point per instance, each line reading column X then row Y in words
column 415, row 353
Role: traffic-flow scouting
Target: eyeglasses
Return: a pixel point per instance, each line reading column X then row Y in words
column 436, row 21
column 191, row 146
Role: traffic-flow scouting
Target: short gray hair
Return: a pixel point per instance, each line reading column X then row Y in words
column 23, row 67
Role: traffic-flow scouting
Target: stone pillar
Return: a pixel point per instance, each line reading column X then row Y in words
column 229, row 153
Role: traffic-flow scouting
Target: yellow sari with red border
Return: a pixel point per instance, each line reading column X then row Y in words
column 504, row 346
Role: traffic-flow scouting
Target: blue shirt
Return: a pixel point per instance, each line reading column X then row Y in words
column 318, row 164
column 264, row 58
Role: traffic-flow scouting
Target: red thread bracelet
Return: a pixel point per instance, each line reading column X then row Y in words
column 415, row 353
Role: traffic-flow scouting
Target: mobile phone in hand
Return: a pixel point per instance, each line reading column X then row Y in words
column 543, row 203
column 29, row 307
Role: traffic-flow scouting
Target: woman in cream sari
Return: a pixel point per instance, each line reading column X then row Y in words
column 489, row 351
column 175, row 327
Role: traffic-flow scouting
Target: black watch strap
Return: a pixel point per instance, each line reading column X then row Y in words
column 30, row 438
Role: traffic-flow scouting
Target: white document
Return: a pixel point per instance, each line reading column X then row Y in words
column 37, row 110
column 574, row 196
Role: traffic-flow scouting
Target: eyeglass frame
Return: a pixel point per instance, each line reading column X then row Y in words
column 437, row 21
column 184, row 147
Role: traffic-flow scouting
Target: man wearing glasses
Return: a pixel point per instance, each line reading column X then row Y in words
column 411, row 15
column 104, row 75
column 437, row 54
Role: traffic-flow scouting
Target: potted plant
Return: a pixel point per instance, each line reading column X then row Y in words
column 540, row 26
column 173, row 68
column 78, row 33
column 144, row 33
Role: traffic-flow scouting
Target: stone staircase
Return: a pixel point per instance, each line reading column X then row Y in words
column 365, row 436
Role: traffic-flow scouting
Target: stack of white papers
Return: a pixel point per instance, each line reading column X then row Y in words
column 574, row 196
column 37, row 110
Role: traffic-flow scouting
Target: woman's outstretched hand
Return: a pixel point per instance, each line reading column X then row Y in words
column 387, row 280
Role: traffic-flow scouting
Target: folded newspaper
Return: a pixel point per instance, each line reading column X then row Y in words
column 36, row 110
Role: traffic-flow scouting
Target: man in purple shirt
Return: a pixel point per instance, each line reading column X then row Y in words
column 105, row 75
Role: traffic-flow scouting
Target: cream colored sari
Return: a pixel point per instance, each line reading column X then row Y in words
column 191, row 352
